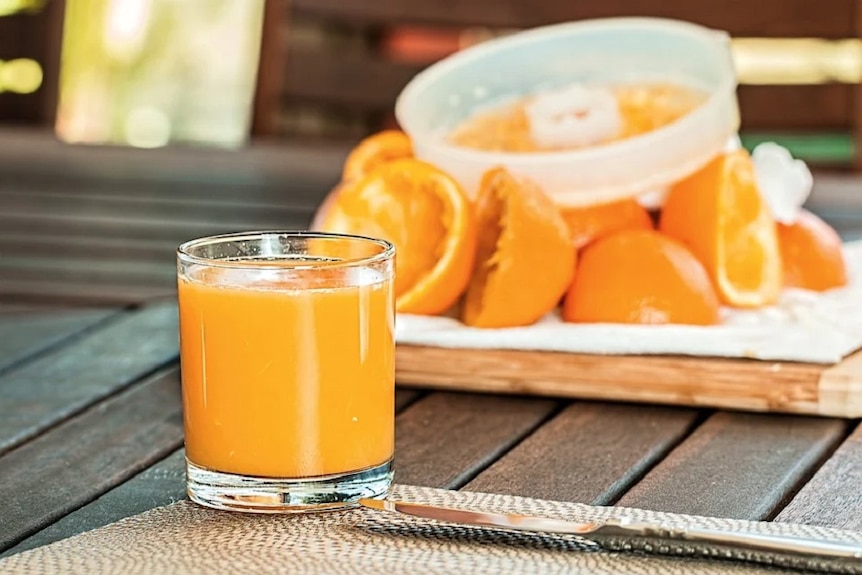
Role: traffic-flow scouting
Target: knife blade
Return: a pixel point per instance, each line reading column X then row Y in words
column 630, row 535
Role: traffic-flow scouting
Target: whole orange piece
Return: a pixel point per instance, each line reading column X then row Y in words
column 426, row 214
column 640, row 277
column 525, row 258
column 589, row 223
column 719, row 214
column 812, row 254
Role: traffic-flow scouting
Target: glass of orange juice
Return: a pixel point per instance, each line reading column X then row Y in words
column 288, row 369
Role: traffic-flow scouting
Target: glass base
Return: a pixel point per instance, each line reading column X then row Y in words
column 251, row 494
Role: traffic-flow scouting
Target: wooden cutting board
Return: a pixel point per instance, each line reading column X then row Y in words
column 743, row 384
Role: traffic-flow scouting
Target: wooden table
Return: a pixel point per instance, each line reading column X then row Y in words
column 90, row 416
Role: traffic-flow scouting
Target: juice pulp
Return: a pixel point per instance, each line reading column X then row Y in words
column 287, row 381
column 643, row 107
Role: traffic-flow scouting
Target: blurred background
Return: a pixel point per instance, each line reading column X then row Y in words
column 130, row 126
column 148, row 73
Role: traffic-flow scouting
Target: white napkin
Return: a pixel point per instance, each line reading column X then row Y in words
column 804, row 326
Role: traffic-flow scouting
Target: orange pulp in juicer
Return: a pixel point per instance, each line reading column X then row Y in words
column 643, row 107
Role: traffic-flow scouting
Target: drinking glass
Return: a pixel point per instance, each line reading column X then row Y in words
column 288, row 369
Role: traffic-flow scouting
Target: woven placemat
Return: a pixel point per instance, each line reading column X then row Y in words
column 184, row 538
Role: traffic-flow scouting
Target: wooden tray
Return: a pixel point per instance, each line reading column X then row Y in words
column 744, row 384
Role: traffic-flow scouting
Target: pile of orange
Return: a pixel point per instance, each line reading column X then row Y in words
column 511, row 255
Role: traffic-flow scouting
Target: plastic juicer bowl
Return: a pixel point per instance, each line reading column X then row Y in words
column 605, row 50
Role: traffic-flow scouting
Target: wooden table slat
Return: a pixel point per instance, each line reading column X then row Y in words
column 833, row 497
column 9, row 309
column 37, row 153
column 589, row 453
column 444, row 439
column 43, row 244
column 405, row 397
column 161, row 484
column 156, row 209
column 28, row 332
column 766, row 17
column 203, row 221
column 101, row 271
column 132, row 228
column 83, row 293
column 201, row 193
column 738, row 465
column 81, row 458
column 109, row 196
column 66, row 380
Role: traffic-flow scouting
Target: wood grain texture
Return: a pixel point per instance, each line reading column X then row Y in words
column 589, row 453
column 444, row 439
column 8, row 309
column 352, row 80
column 276, row 164
column 675, row 380
column 267, row 92
column 164, row 211
column 271, row 187
column 814, row 107
column 131, row 225
column 161, row 484
column 831, row 19
column 833, row 497
column 44, row 244
column 98, row 237
column 114, row 248
column 115, row 272
column 405, row 397
column 841, row 384
column 738, row 465
column 28, row 332
column 66, row 380
column 45, row 290
column 81, row 458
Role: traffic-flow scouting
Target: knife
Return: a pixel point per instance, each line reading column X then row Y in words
column 630, row 535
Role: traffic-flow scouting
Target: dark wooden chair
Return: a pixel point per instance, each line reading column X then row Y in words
column 33, row 34
column 329, row 59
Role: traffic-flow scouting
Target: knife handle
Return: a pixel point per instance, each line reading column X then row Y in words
column 778, row 550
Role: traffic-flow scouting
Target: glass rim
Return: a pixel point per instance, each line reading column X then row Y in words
column 183, row 251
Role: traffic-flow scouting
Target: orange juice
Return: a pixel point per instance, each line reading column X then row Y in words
column 286, row 379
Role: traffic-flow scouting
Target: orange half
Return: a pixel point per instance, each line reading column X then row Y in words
column 425, row 213
column 640, row 277
column 525, row 258
column 812, row 254
column 719, row 214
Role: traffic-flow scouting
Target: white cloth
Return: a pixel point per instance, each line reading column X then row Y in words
column 803, row 326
